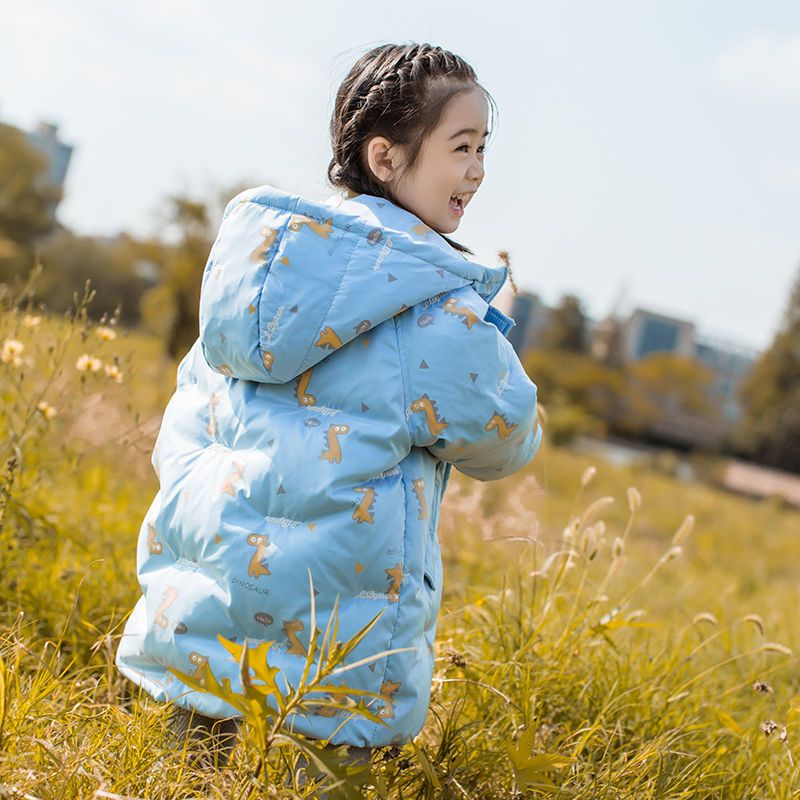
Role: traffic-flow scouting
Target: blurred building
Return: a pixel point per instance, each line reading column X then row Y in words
column 531, row 316
column 45, row 140
column 618, row 340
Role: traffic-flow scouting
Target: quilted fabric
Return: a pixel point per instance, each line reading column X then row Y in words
column 348, row 357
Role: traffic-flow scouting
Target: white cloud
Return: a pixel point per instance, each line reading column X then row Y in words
column 763, row 65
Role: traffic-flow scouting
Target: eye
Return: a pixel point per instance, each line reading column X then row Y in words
column 481, row 148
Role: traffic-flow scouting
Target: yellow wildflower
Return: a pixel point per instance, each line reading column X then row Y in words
column 29, row 321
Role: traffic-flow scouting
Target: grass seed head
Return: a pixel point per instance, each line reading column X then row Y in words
column 634, row 499
column 684, row 529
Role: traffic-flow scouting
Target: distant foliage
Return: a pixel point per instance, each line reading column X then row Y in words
column 567, row 328
column 26, row 196
column 769, row 430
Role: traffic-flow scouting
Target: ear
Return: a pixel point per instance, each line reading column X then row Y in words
column 382, row 157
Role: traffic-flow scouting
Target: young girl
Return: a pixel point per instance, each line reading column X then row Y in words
column 348, row 357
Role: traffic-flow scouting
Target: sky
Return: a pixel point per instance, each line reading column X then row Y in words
column 646, row 154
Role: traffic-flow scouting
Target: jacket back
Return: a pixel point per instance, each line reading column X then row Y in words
column 348, row 358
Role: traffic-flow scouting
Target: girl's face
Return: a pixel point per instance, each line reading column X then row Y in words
column 450, row 162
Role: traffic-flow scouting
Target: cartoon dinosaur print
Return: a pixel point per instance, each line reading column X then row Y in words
column 334, row 451
column 267, row 359
column 199, row 662
column 395, row 575
column 301, row 386
column 388, row 691
column 255, row 568
column 211, row 428
column 468, row 316
column 154, row 547
column 291, row 628
column 428, row 407
column 328, row 338
column 497, row 420
column 323, row 229
column 419, row 491
column 259, row 255
column 227, row 484
column 170, row 594
column 327, row 711
column 420, row 229
column 363, row 512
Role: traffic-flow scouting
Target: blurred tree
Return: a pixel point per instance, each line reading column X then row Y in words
column 181, row 252
column 607, row 342
column 769, row 428
column 666, row 387
column 566, row 328
column 630, row 400
column 182, row 267
column 576, row 380
column 109, row 263
column 26, row 196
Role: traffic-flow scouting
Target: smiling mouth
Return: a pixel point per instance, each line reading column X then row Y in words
column 457, row 205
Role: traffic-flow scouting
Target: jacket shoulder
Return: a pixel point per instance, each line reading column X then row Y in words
column 464, row 306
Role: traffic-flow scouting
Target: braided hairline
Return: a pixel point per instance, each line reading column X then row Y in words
column 422, row 64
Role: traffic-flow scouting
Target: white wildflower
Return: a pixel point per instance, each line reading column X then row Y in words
column 113, row 371
column 105, row 333
column 87, row 362
column 11, row 350
column 47, row 410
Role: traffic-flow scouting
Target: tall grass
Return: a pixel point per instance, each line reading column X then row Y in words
column 605, row 632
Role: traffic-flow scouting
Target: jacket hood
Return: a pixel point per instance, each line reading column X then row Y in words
column 290, row 280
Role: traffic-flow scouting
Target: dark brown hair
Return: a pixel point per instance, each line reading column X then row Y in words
column 399, row 91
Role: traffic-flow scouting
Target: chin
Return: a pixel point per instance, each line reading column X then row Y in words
column 451, row 227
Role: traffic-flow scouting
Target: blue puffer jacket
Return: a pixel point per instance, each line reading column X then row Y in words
column 347, row 358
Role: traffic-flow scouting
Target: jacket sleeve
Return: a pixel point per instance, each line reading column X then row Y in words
column 469, row 400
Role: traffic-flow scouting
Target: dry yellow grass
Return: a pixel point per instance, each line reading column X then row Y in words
column 605, row 632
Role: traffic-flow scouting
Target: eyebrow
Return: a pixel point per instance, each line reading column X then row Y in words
column 466, row 130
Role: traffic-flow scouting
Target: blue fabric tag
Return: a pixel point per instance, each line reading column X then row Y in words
column 498, row 318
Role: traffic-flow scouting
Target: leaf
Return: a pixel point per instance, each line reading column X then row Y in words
column 257, row 660
column 426, row 765
column 2, row 697
column 729, row 722
column 530, row 772
column 794, row 706
column 347, row 780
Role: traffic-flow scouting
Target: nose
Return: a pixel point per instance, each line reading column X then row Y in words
column 476, row 171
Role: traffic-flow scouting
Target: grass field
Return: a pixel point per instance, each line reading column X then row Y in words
column 605, row 632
